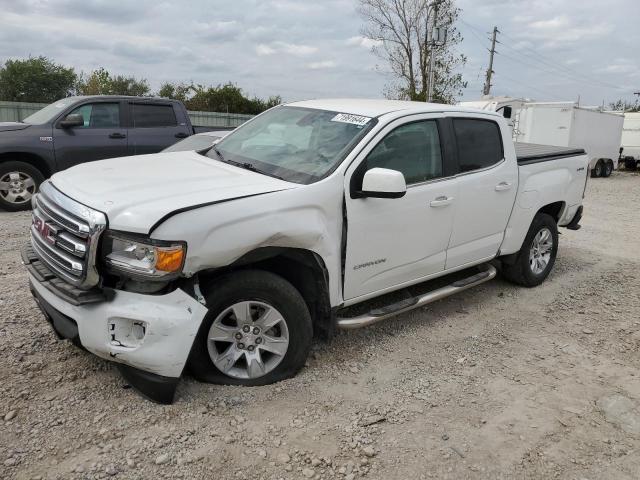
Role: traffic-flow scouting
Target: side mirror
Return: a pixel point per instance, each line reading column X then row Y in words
column 73, row 120
column 507, row 111
column 383, row 183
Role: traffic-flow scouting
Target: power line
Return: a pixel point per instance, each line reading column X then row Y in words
column 558, row 65
column 557, row 68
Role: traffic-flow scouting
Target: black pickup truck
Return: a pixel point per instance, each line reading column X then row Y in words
column 81, row 129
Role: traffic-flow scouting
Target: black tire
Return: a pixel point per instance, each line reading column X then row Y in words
column 261, row 286
column 24, row 170
column 597, row 170
column 521, row 272
column 608, row 169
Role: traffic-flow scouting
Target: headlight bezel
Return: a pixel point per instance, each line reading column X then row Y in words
column 125, row 266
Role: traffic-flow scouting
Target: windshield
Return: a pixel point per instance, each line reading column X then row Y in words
column 49, row 112
column 299, row 145
column 194, row 142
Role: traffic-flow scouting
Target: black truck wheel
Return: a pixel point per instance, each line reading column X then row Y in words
column 537, row 254
column 258, row 331
column 18, row 182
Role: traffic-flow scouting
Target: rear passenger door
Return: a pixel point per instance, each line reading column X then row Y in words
column 487, row 189
column 153, row 127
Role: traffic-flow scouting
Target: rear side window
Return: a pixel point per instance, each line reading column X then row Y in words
column 145, row 115
column 479, row 143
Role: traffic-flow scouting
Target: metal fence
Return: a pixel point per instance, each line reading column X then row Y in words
column 18, row 111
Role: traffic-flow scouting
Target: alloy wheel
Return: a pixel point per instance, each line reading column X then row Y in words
column 540, row 252
column 248, row 339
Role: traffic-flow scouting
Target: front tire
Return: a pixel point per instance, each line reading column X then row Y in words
column 258, row 331
column 19, row 181
column 537, row 255
column 597, row 169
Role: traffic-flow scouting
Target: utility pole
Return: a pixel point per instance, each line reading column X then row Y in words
column 432, row 45
column 487, row 84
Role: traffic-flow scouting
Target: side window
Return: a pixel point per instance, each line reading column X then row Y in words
column 413, row 149
column 99, row 115
column 479, row 143
column 145, row 115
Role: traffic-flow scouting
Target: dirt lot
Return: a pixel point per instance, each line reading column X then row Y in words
column 499, row 382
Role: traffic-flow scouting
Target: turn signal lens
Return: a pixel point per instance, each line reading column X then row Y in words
column 169, row 259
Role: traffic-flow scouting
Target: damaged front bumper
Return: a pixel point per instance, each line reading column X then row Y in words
column 148, row 336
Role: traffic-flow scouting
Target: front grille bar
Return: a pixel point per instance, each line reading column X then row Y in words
column 65, row 236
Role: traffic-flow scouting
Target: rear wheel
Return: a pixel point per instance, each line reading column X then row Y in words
column 630, row 163
column 608, row 168
column 19, row 181
column 597, row 170
column 537, row 255
column 258, row 331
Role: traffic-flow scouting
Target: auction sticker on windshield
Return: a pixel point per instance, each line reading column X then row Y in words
column 353, row 119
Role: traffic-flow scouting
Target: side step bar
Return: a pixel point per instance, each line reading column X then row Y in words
column 348, row 323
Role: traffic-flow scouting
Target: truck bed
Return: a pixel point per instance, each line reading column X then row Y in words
column 528, row 153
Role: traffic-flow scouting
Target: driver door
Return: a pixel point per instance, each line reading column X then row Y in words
column 101, row 136
column 397, row 241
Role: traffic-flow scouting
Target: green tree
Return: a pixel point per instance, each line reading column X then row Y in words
column 398, row 29
column 625, row 106
column 176, row 91
column 228, row 98
column 100, row 82
column 36, row 79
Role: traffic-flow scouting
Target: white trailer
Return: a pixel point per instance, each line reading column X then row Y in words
column 631, row 140
column 565, row 124
column 508, row 107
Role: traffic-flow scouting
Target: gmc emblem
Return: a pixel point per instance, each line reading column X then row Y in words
column 47, row 231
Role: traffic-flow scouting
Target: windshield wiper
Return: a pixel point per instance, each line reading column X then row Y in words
column 253, row 168
column 245, row 165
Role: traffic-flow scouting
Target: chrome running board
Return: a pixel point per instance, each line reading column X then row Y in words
column 348, row 323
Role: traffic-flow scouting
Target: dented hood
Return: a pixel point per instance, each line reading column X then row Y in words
column 137, row 192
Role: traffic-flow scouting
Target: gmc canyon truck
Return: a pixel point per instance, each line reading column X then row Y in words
column 311, row 217
column 82, row 129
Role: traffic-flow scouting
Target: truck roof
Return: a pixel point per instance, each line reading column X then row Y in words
column 377, row 107
column 120, row 97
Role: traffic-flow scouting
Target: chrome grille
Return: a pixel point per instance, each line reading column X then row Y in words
column 65, row 234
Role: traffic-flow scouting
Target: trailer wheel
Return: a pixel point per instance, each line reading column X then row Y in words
column 258, row 331
column 537, row 255
column 608, row 169
column 596, row 171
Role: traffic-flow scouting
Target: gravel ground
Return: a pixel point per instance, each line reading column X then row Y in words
column 498, row 382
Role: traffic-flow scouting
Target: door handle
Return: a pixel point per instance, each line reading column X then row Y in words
column 117, row 135
column 181, row 135
column 502, row 186
column 442, row 201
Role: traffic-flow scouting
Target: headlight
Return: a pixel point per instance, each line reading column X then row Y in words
column 143, row 258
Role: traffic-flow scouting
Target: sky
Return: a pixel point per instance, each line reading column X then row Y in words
column 548, row 50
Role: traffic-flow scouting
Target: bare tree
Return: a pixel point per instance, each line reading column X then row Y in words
column 401, row 30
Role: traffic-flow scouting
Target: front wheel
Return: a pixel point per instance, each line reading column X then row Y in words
column 597, row 170
column 537, row 255
column 258, row 331
column 19, row 181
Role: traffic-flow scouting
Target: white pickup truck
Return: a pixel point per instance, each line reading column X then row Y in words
column 229, row 260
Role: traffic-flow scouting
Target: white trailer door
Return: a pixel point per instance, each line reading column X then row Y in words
column 396, row 241
column 488, row 183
